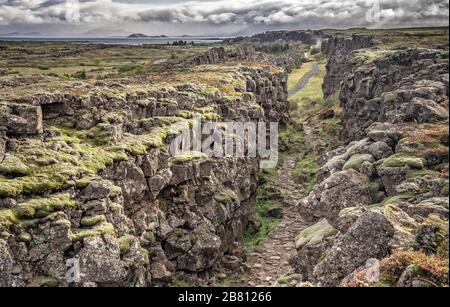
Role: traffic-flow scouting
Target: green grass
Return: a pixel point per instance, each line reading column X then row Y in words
column 264, row 203
column 298, row 74
column 267, row 225
column 61, row 59
column 306, row 105
column 311, row 94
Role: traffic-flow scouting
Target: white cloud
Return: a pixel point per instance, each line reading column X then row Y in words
column 303, row 13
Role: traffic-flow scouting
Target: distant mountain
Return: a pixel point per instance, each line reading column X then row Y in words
column 22, row 34
column 140, row 35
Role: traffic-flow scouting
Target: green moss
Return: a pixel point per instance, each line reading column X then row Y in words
column 330, row 131
column 356, row 161
column 99, row 230
column 145, row 253
column 374, row 191
column 125, row 243
column 13, row 166
column 54, row 162
column 286, row 280
column 187, row 157
column 400, row 160
column 114, row 207
column 390, row 97
column 7, row 219
column 90, row 221
column 63, row 223
column 150, row 237
column 315, row 234
column 84, row 182
column 41, row 207
column 210, row 90
column 73, row 154
column 398, row 199
column 401, row 221
column 322, row 258
column 43, row 281
column 421, row 173
column 25, row 237
column 28, row 224
column 226, row 197
column 305, row 172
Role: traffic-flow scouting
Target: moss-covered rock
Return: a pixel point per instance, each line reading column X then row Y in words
column 187, row 157
column 43, row 282
column 287, row 280
column 401, row 160
column 7, row 218
column 125, row 243
column 356, row 161
column 315, row 234
column 99, row 230
column 90, row 221
column 41, row 207
column 398, row 199
column 226, row 197
column 13, row 166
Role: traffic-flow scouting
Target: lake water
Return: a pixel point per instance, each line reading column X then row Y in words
column 116, row 40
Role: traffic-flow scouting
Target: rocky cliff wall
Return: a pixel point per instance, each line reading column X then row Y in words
column 86, row 180
column 338, row 48
column 380, row 209
column 287, row 60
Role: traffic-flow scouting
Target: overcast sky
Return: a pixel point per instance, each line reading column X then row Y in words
column 211, row 17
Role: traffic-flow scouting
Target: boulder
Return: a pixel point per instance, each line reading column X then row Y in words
column 150, row 163
column 312, row 245
column 33, row 120
column 348, row 217
column 392, row 177
column 100, row 190
column 368, row 238
column 380, row 150
column 342, row 190
column 132, row 181
column 204, row 253
column 425, row 111
column 356, row 161
column 7, row 278
column 433, row 206
column 334, row 165
column 99, row 261
column 158, row 182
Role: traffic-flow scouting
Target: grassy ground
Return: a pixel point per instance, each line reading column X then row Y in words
column 412, row 37
column 311, row 95
column 96, row 61
column 306, row 105
column 298, row 74
column 268, row 197
column 324, row 134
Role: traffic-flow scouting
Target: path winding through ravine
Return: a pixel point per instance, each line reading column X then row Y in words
column 269, row 261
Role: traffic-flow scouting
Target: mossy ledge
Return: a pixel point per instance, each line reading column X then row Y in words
column 49, row 165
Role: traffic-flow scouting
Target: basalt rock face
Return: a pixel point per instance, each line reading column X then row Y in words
column 220, row 55
column 385, row 194
column 289, row 60
column 89, row 195
column 403, row 86
column 338, row 48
